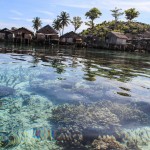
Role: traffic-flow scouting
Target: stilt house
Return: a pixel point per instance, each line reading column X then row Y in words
column 48, row 35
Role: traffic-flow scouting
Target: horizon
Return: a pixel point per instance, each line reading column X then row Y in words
column 21, row 13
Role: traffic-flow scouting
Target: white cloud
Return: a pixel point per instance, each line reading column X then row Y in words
column 46, row 21
column 28, row 20
column 10, row 25
column 16, row 18
column 143, row 5
column 16, row 12
column 84, row 4
column 46, row 12
column 75, row 5
column 21, row 19
column 77, row 8
column 138, row 4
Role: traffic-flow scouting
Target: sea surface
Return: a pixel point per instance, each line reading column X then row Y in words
column 71, row 98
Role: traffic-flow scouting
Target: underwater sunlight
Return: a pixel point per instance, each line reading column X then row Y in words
column 81, row 99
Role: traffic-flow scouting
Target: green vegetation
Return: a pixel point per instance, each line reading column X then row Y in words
column 76, row 22
column 37, row 23
column 100, row 30
column 116, row 14
column 124, row 27
column 57, row 25
column 92, row 14
column 64, row 19
column 131, row 14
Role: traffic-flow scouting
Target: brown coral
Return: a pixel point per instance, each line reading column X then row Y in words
column 126, row 113
column 107, row 143
column 84, row 116
column 68, row 136
column 104, row 114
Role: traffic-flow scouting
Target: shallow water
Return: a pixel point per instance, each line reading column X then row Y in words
column 60, row 97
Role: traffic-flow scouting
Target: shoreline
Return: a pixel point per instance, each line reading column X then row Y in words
column 33, row 48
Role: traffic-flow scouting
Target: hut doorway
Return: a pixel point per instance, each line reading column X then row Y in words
column 23, row 35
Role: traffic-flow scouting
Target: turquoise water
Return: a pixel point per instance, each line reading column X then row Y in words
column 57, row 98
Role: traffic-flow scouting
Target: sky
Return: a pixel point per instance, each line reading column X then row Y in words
column 20, row 13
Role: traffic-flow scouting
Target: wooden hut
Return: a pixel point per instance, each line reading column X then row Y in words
column 6, row 35
column 71, row 38
column 139, row 41
column 47, row 35
column 116, row 40
column 23, row 35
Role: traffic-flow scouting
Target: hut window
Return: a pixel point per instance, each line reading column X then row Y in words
column 70, row 40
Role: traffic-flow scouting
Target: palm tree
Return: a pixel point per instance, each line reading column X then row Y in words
column 64, row 19
column 37, row 23
column 57, row 25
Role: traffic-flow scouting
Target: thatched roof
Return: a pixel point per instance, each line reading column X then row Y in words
column 71, row 35
column 130, row 36
column 119, row 35
column 146, row 34
column 23, row 30
column 47, row 30
column 5, row 30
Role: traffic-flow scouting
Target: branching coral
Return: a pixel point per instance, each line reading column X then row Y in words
column 127, row 113
column 104, row 114
column 103, row 117
column 135, row 137
column 69, row 136
column 84, row 116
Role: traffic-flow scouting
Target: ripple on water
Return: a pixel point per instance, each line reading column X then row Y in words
column 85, row 82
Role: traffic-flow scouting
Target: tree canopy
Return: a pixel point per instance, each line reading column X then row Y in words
column 131, row 14
column 116, row 13
column 64, row 19
column 57, row 25
column 92, row 14
column 37, row 23
column 76, row 22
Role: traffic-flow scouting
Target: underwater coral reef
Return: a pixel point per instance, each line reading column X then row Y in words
column 58, row 105
column 107, row 143
column 103, row 124
column 98, row 115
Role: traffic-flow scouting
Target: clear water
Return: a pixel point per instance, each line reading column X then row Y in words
column 61, row 98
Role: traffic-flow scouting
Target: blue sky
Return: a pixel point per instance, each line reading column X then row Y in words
column 18, row 13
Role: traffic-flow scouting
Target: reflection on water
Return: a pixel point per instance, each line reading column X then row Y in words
column 59, row 98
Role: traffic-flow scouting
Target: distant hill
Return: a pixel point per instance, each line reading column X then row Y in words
column 103, row 28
